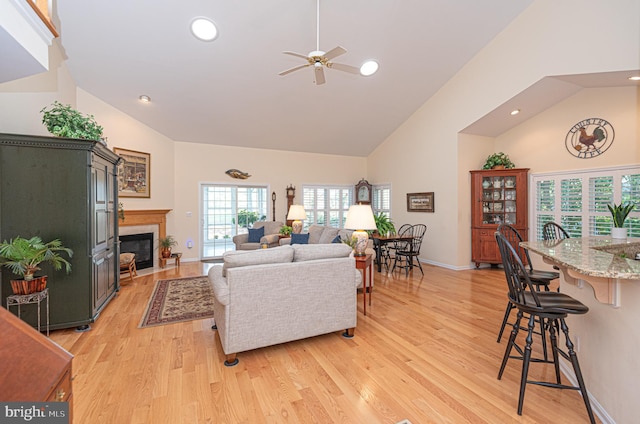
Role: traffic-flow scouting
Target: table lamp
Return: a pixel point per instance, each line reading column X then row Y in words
column 297, row 214
column 360, row 218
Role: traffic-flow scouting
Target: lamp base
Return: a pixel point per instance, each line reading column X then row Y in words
column 296, row 227
column 361, row 242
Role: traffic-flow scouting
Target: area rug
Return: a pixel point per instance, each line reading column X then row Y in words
column 178, row 300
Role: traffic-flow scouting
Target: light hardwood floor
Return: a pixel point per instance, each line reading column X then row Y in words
column 426, row 352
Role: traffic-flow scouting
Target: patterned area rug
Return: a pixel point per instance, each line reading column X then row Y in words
column 177, row 300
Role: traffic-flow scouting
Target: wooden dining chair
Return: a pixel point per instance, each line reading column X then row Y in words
column 406, row 256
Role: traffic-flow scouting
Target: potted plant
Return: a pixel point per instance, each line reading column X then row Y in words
column 285, row 231
column 498, row 161
column 166, row 243
column 384, row 225
column 23, row 257
column 619, row 214
column 64, row 121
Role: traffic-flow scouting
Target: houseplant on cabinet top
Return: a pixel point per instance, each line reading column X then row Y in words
column 166, row 243
column 498, row 161
column 23, row 257
column 619, row 214
column 64, row 121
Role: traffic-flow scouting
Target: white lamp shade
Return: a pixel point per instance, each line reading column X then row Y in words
column 296, row 212
column 360, row 217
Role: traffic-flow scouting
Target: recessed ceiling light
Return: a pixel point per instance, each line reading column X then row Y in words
column 145, row 99
column 515, row 112
column 368, row 68
column 204, row 29
column 635, row 78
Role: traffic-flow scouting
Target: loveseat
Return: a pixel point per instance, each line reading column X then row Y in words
column 271, row 296
column 320, row 234
column 271, row 236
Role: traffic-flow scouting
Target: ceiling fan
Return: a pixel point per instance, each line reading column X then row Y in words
column 319, row 59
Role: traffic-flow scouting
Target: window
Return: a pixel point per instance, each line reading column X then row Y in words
column 382, row 200
column 229, row 210
column 578, row 200
column 326, row 205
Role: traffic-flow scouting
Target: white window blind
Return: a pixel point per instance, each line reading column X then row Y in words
column 577, row 200
column 326, row 205
column 382, row 199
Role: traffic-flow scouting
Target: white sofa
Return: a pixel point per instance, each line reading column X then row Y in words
column 271, row 296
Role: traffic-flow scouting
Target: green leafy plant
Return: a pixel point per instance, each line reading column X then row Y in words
column 285, row 230
column 384, row 224
column 247, row 218
column 620, row 213
column 64, row 121
column 351, row 241
column 498, row 159
column 167, row 242
column 23, row 256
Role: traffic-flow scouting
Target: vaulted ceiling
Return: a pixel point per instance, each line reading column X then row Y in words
column 228, row 91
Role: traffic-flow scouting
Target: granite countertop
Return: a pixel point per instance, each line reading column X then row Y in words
column 600, row 256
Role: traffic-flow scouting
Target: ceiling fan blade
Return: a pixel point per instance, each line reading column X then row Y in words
column 343, row 67
column 319, row 75
column 304, row 56
column 335, row 52
column 295, row 68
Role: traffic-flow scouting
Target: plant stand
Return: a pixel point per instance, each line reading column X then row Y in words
column 24, row 299
column 175, row 256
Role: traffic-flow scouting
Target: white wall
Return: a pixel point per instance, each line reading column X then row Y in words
column 22, row 100
column 424, row 153
column 199, row 163
column 539, row 143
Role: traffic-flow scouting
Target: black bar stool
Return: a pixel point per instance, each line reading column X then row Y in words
column 540, row 279
column 548, row 307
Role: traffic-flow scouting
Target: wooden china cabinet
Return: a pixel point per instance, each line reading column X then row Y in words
column 497, row 197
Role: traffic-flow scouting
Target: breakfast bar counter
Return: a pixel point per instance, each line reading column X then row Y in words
column 607, row 338
column 601, row 261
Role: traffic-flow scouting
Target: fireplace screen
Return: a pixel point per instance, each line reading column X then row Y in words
column 141, row 245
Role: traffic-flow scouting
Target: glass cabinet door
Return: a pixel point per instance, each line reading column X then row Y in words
column 499, row 200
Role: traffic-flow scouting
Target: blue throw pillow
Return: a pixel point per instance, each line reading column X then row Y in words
column 255, row 234
column 299, row 238
column 337, row 239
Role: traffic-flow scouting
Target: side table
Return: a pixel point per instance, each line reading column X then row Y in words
column 24, row 299
column 175, row 256
column 363, row 263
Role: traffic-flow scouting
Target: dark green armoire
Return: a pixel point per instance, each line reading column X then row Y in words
column 60, row 188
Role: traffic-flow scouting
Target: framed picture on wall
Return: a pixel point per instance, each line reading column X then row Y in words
column 134, row 173
column 420, row 202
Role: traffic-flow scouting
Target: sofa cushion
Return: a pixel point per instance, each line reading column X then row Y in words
column 299, row 238
column 310, row 252
column 235, row 259
column 255, row 234
column 337, row 239
column 328, row 234
column 315, row 232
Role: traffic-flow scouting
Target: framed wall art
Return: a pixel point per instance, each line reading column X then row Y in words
column 134, row 173
column 420, row 202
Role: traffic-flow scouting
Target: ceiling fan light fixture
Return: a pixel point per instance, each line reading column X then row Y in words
column 369, row 68
column 204, row 29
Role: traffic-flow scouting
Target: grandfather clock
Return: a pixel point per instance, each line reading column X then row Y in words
column 291, row 194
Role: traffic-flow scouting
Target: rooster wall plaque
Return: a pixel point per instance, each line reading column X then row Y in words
column 589, row 138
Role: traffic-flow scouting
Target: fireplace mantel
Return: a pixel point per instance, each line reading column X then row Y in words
column 147, row 217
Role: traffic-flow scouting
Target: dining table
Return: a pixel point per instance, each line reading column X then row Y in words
column 379, row 241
